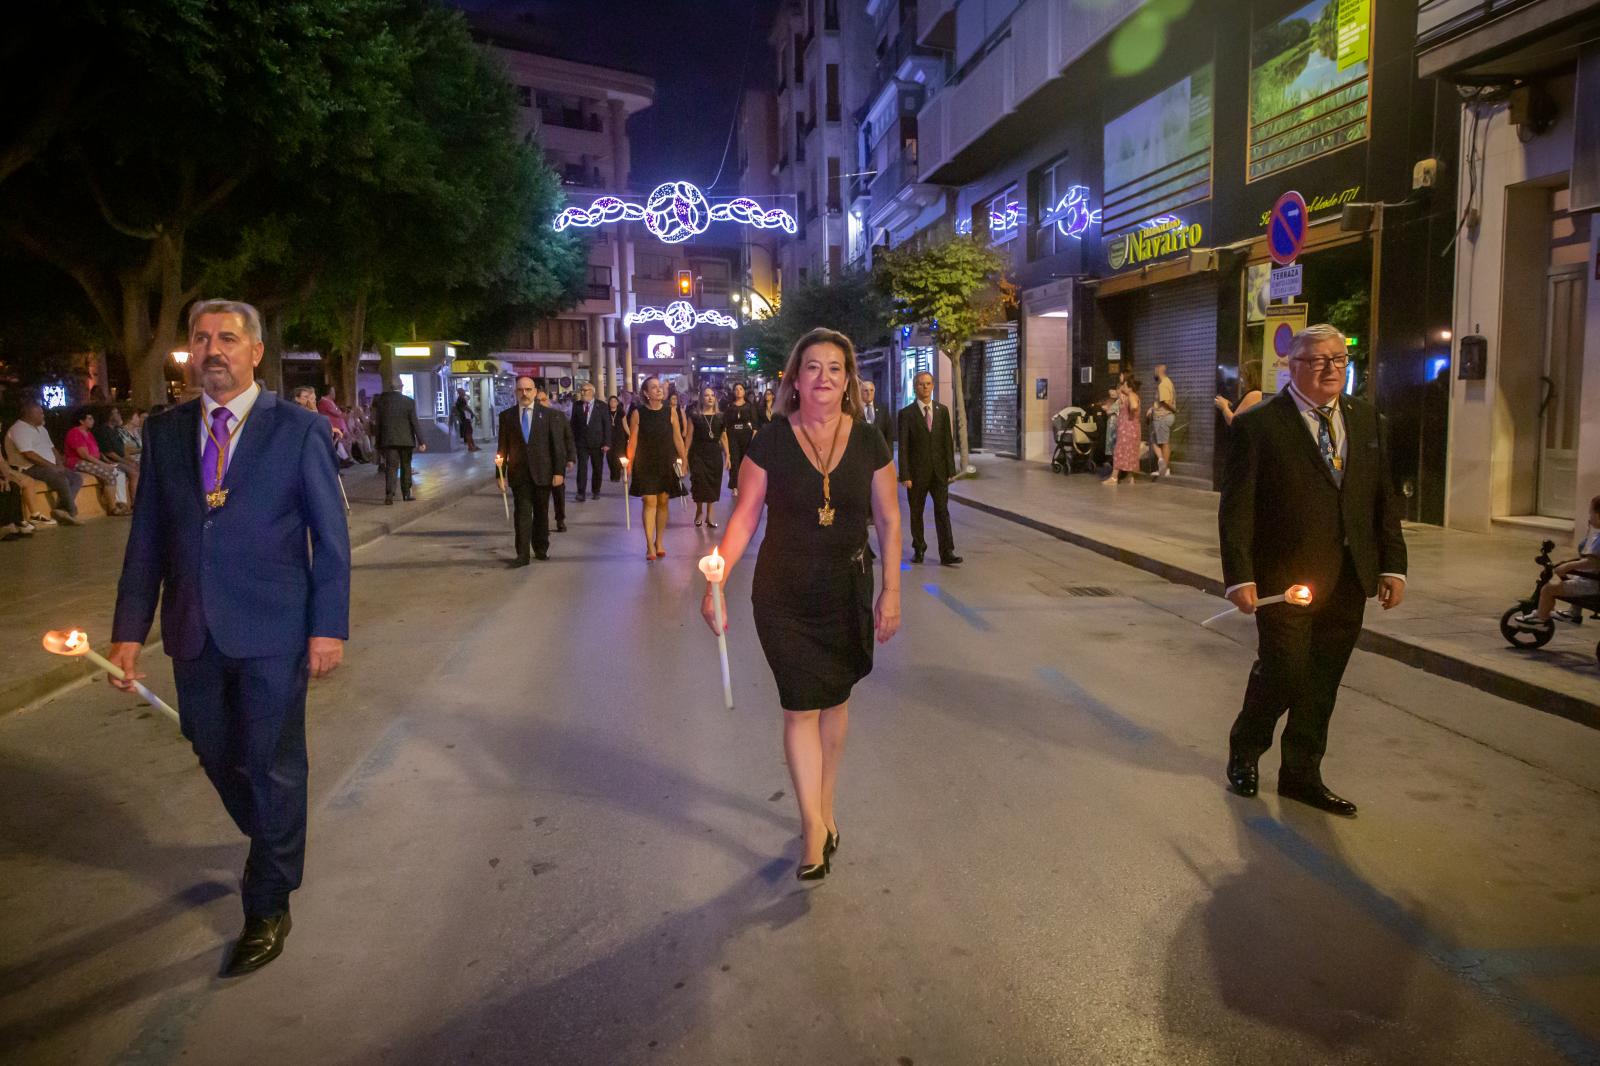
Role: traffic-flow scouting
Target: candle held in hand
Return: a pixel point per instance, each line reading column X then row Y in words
column 714, row 568
column 1294, row 596
column 75, row 643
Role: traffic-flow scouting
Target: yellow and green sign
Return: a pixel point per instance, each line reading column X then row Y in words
column 1309, row 84
column 1161, row 237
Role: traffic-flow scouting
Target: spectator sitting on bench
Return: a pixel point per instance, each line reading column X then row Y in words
column 13, row 506
column 29, row 449
column 83, row 456
column 113, row 442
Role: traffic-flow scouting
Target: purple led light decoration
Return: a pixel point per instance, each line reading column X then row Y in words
column 680, row 317
column 1071, row 214
column 676, row 211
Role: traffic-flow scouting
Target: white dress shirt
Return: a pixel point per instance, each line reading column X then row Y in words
column 238, row 410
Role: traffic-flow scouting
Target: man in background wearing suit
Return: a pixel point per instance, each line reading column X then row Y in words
column 927, row 466
column 591, row 430
column 876, row 414
column 394, row 423
column 536, row 460
column 558, row 491
column 239, row 530
column 1307, row 499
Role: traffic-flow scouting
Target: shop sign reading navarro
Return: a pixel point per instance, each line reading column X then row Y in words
column 1159, row 237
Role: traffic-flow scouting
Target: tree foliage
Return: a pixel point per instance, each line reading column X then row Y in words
column 956, row 288
column 337, row 159
column 851, row 303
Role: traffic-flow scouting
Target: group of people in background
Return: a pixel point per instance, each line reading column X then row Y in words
column 1124, row 413
column 99, row 442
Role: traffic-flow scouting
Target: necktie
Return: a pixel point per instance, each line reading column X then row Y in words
column 1330, row 454
column 927, row 413
column 527, row 424
column 214, row 460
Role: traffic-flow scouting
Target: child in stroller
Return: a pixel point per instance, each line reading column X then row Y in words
column 1574, row 580
column 1075, row 433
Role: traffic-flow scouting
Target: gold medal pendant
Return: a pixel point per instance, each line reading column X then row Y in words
column 216, row 498
column 824, row 516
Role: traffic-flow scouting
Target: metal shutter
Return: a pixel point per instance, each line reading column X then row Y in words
column 1176, row 324
column 1000, row 395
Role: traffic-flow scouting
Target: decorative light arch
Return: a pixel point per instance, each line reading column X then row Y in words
column 676, row 211
column 680, row 317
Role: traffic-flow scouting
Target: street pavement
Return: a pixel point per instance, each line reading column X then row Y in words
column 1459, row 583
column 538, row 837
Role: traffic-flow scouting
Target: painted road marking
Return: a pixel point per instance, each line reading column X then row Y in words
column 968, row 614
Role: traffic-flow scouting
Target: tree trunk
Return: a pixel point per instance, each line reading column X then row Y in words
column 350, row 371
column 270, row 372
column 958, row 408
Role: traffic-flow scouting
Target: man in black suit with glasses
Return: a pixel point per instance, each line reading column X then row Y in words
column 1307, row 499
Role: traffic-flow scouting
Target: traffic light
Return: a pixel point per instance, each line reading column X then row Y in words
column 685, row 283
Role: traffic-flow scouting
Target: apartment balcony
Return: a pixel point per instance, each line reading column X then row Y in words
column 898, row 197
column 1470, row 40
column 962, row 125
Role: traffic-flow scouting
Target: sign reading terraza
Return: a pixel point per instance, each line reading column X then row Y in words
column 1164, row 237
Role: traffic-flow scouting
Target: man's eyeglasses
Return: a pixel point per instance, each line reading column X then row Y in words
column 1323, row 362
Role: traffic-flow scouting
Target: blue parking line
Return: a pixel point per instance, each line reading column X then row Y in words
column 1485, row 971
column 1075, row 694
column 968, row 614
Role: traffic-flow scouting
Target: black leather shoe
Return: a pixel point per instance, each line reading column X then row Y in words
column 949, row 560
column 916, row 556
column 1316, row 794
column 260, row 943
column 388, row 501
column 561, row 527
column 408, row 497
column 830, row 846
column 1243, row 777
column 582, row 498
column 541, row 556
column 516, row 563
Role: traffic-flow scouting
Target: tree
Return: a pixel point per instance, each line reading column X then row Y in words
column 851, row 303
column 956, row 287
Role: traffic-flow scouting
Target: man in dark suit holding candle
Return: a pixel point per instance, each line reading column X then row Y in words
column 1307, row 499
column 239, row 530
column 536, row 460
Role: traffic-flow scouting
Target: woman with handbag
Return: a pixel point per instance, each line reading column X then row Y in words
column 655, row 447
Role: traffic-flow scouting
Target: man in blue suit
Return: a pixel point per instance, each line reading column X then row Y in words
column 240, row 531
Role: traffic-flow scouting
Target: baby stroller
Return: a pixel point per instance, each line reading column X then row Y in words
column 1075, row 441
column 1519, row 637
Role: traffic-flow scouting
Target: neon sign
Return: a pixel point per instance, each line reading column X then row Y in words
column 680, row 317
column 1000, row 222
column 676, row 211
column 1072, row 215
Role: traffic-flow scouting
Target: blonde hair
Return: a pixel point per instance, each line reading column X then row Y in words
column 788, row 398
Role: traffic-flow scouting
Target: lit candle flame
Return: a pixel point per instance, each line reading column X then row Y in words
column 715, row 557
column 1299, row 595
column 71, row 642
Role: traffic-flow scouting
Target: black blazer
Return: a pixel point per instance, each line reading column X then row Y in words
column 1284, row 521
column 394, row 421
column 926, row 456
column 594, row 432
column 883, row 422
column 545, row 453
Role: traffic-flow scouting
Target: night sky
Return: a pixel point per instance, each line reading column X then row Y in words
column 694, row 49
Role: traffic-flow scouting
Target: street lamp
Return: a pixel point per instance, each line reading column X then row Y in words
column 181, row 358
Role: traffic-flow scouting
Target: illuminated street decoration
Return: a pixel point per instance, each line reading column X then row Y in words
column 1000, row 222
column 680, row 317
column 1072, row 215
column 55, row 396
column 676, row 211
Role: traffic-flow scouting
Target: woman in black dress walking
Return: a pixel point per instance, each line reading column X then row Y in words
column 821, row 473
column 740, row 419
column 619, row 436
column 708, row 456
column 655, row 442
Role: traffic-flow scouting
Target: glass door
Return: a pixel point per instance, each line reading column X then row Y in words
column 1560, row 386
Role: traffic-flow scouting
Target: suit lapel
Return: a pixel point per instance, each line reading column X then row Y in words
column 189, row 438
column 253, row 434
column 1295, row 426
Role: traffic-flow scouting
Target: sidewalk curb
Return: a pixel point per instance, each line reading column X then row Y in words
column 47, row 685
column 1450, row 667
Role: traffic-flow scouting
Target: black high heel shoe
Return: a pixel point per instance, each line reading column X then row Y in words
column 830, row 846
column 815, row 872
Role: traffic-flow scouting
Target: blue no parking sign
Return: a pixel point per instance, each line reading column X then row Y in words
column 1286, row 228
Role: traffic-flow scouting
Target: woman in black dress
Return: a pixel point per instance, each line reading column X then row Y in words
column 708, row 456
column 655, row 443
column 821, row 473
column 740, row 419
column 619, row 437
column 764, row 410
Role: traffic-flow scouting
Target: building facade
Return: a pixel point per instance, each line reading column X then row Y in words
column 1525, row 392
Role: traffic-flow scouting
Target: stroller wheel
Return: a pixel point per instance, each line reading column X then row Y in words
column 1058, row 466
column 1526, row 638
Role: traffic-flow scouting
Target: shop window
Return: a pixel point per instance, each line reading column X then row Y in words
column 1000, row 216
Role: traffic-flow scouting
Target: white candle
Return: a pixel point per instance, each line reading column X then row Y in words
column 1295, row 595
column 627, row 512
column 499, row 479
column 75, row 643
column 712, row 566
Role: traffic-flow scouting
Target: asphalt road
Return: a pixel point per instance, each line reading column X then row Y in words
column 537, row 837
